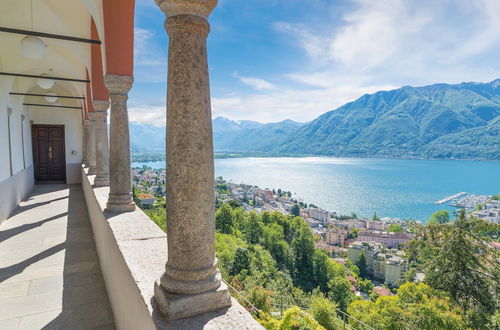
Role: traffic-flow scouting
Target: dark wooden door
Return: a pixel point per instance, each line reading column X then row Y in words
column 48, row 153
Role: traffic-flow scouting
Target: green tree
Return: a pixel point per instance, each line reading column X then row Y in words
column 439, row 217
column 303, row 247
column 253, row 228
column 354, row 215
column 375, row 217
column 362, row 266
column 325, row 312
column 340, row 291
column 395, row 228
column 224, row 219
column 455, row 259
column 295, row 210
column 240, row 262
column 416, row 306
column 260, row 298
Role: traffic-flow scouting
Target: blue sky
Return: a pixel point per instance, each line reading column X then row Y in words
column 272, row 60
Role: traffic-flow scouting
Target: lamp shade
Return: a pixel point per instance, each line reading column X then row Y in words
column 32, row 47
column 51, row 97
column 45, row 83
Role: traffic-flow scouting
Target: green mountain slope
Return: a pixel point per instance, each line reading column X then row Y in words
column 402, row 122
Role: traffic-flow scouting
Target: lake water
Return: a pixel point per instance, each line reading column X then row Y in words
column 388, row 187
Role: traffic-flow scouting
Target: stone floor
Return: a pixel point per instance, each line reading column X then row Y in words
column 49, row 271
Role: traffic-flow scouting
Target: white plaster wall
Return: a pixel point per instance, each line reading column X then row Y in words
column 14, row 103
column 73, row 134
column 13, row 188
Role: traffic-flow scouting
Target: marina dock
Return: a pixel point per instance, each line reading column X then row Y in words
column 447, row 199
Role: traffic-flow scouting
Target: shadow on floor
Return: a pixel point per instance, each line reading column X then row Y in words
column 85, row 303
column 9, row 233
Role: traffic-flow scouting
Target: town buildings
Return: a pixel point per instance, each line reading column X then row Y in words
column 383, row 264
column 389, row 239
column 490, row 212
column 336, row 236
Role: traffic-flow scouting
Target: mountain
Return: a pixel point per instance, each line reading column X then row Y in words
column 147, row 138
column 437, row 121
column 228, row 135
column 250, row 136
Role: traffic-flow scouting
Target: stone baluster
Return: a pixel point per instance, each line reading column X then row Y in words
column 102, row 149
column 191, row 283
column 91, row 138
column 120, row 186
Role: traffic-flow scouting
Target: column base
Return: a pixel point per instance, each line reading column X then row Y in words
column 175, row 306
column 120, row 203
column 101, row 181
column 92, row 170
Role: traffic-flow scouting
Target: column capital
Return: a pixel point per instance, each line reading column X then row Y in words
column 201, row 8
column 101, row 105
column 117, row 84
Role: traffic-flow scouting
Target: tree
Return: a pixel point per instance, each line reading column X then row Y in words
column 361, row 264
column 340, row 291
column 240, row 262
column 457, row 260
column 375, row 217
column 354, row 215
column 261, row 298
column 295, row 210
column 234, row 204
column 224, row 219
column 416, row 306
column 303, row 247
column 325, row 312
column 253, row 228
column 323, row 270
column 354, row 233
column 365, row 286
column 289, row 194
column 395, row 228
column 439, row 217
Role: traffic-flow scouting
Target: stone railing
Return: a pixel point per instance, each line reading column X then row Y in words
column 132, row 254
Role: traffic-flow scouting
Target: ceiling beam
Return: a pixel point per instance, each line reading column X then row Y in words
column 52, row 106
column 49, row 35
column 58, row 96
column 42, row 77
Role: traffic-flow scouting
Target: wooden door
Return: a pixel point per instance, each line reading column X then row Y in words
column 48, row 153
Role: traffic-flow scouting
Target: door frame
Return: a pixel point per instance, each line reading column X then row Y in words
column 34, row 146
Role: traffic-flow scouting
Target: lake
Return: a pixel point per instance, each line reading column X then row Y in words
column 389, row 187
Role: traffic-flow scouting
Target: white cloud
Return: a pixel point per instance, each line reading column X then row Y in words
column 256, row 83
column 297, row 104
column 147, row 114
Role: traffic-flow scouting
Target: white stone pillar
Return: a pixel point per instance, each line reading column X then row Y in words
column 102, row 149
column 120, row 186
column 191, row 283
column 91, row 138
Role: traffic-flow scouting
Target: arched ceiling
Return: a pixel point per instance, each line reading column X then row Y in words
column 62, row 58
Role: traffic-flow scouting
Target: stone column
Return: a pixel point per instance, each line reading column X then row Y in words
column 120, row 186
column 102, row 150
column 191, row 283
column 86, row 136
column 91, row 138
